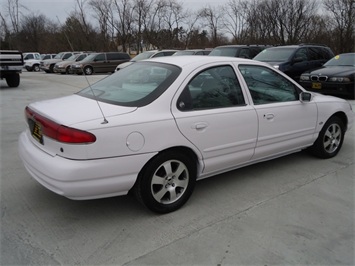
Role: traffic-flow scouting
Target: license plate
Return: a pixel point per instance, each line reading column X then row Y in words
column 36, row 131
column 316, row 85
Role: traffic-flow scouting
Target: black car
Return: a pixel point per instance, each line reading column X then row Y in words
column 336, row 77
column 293, row 60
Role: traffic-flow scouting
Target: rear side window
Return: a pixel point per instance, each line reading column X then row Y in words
column 117, row 56
column 216, row 87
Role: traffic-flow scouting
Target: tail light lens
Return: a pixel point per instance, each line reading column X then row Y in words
column 58, row 132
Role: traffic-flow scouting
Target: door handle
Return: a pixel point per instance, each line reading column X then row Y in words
column 200, row 125
column 269, row 116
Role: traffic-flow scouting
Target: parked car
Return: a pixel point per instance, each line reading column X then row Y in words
column 31, row 61
column 242, row 51
column 100, row 63
column 47, row 56
column 147, row 55
column 158, row 125
column 193, row 52
column 64, row 67
column 293, row 60
column 335, row 77
column 47, row 65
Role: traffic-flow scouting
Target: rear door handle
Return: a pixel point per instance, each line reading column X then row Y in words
column 200, row 125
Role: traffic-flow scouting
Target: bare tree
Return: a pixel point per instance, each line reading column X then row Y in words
column 213, row 18
column 103, row 13
column 236, row 16
column 342, row 14
column 282, row 21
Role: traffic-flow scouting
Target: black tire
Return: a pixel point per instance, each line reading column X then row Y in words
column 330, row 139
column 88, row 70
column 51, row 68
column 67, row 70
column 13, row 80
column 166, row 182
column 36, row 68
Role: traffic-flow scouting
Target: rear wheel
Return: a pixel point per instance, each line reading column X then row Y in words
column 167, row 182
column 330, row 139
column 13, row 80
column 88, row 70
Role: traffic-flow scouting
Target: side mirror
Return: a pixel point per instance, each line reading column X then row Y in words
column 305, row 96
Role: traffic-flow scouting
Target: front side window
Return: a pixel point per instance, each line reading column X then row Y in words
column 267, row 86
column 216, row 87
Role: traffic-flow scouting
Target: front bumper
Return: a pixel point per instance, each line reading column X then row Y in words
column 81, row 179
column 341, row 89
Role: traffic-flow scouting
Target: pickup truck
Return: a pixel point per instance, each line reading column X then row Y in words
column 11, row 64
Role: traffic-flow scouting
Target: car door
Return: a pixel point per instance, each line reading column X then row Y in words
column 211, row 112
column 285, row 123
column 99, row 63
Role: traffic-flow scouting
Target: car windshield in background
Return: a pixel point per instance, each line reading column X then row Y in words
column 135, row 85
column 275, row 54
column 142, row 56
column 58, row 56
column 184, row 53
column 342, row 60
column 89, row 58
column 225, row 51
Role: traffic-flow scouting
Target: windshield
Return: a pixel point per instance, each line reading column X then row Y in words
column 275, row 54
column 342, row 60
column 143, row 56
column 135, row 85
column 89, row 58
column 224, row 51
column 59, row 56
column 72, row 58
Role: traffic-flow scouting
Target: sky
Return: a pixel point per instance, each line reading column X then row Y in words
column 61, row 8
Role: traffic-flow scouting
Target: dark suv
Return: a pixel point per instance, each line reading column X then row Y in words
column 293, row 60
column 243, row 51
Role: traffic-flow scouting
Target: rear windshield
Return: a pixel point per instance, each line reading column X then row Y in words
column 275, row 54
column 135, row 85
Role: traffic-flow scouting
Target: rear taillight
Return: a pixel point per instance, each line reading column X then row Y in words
column 58, row 132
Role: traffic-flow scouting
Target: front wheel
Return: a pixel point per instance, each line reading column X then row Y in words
column 88, row 70
column 36, row 68
column 167, row 182
column 330, row 139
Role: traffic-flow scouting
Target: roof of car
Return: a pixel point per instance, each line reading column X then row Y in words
column 192, row 59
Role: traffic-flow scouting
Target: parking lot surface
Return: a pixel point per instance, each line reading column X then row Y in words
column 295, row 210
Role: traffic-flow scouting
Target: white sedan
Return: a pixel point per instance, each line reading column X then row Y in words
column 157, row 126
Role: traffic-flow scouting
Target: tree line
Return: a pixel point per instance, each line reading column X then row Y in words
column 138, row 25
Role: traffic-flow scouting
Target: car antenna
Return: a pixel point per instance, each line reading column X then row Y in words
column 92, row 91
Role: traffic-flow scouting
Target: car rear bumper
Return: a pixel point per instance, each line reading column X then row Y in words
column 81, row 179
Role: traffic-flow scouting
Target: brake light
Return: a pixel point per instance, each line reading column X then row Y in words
column 58, row 132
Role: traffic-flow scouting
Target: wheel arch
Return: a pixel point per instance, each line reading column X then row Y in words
column 342, row 116
column 182, row 149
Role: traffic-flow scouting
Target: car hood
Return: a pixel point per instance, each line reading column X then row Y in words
column 51, row 61
column 333, row 71
column 74, row 109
